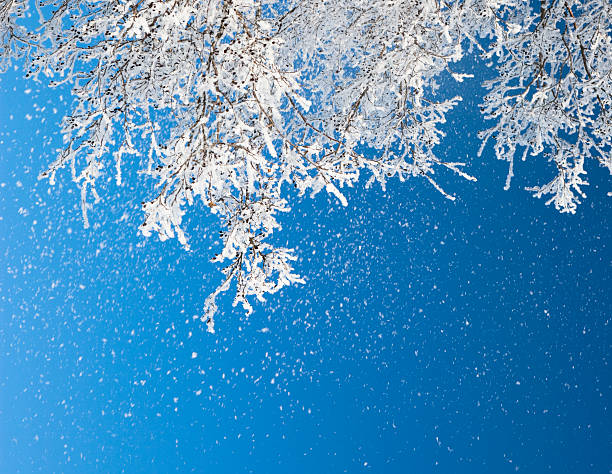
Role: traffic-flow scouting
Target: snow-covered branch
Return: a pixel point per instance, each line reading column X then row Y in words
column 230, row 102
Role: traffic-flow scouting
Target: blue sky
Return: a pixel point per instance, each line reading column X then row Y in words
column 432, row 336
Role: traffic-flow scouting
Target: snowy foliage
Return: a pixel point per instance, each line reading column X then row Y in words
column 14, row 38
column 553, row 94
column 231, row 102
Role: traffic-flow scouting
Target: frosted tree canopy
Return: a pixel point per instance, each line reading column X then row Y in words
column 233, row 102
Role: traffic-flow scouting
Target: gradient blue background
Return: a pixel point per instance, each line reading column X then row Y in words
column 432, row 336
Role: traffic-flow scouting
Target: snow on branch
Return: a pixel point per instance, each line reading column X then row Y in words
column 229, row 102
